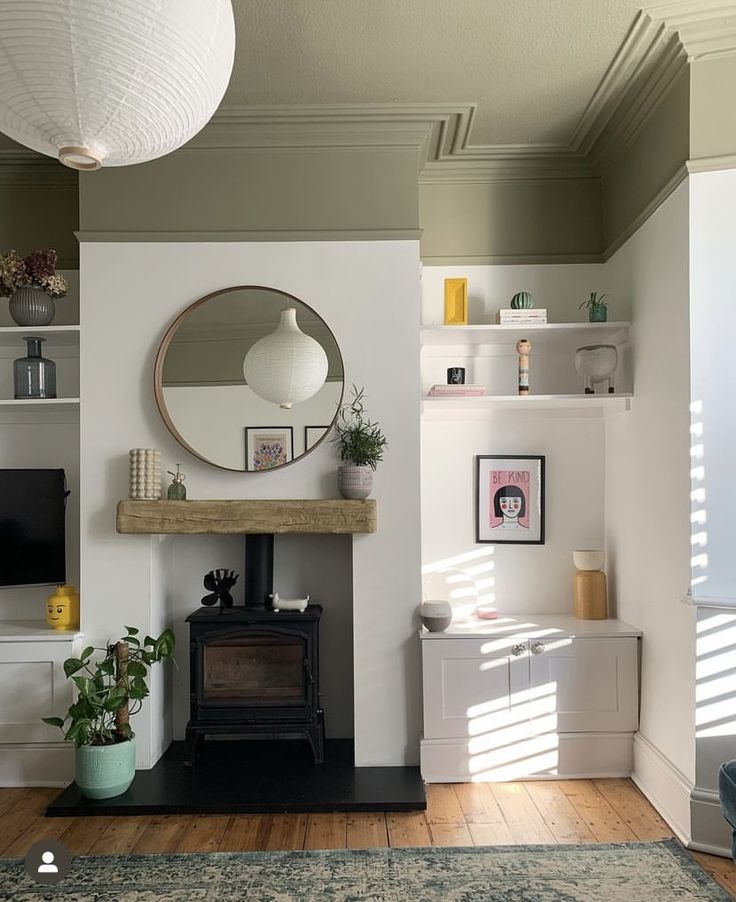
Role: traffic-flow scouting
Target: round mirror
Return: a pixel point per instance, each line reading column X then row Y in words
column 249, row 378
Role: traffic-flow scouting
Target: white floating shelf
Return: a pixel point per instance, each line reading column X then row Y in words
column 56, row 335
column 547, row 336
column 554, row 405
column 38, row 403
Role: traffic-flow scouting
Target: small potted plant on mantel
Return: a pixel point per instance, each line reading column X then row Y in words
column 597, row 307
column 32, row 284
column 109, row 690
column 361, row 444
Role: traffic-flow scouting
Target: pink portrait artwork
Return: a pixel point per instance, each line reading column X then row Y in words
column 509, row 506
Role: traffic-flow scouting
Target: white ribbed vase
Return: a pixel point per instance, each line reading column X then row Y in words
column 355, row 483
column 145, row 474
column 112, row 82
column 31, row 306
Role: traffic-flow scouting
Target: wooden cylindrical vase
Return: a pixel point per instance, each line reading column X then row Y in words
column 590, row 595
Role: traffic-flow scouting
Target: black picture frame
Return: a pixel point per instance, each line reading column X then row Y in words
column 488, row 535
column 323, row 430
column 254, row 429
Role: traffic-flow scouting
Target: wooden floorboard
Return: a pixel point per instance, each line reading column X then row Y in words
column 460, row 814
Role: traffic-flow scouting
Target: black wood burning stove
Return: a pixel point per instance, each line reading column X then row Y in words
column 254, row 672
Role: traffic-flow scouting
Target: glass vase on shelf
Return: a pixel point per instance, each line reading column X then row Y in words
column 34, row 377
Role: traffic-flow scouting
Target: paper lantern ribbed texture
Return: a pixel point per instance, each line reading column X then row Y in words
column 287, row 366
column 112, row 82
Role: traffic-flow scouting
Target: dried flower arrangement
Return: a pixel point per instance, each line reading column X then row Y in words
column 37, row 270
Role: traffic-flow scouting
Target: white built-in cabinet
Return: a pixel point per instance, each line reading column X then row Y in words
column 33, row 686
column 541, row 696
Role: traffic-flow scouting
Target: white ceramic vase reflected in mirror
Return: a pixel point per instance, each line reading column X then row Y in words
column 213, row 410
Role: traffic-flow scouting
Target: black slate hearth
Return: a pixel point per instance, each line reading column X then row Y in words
column 247, row 777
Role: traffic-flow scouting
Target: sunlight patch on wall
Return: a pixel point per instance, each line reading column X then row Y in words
column 715, row 670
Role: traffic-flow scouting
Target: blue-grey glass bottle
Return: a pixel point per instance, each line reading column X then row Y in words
column 33, row 375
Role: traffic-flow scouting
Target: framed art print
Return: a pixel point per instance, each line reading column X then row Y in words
column 313, row 435
column 509, row 501
column 267, row 447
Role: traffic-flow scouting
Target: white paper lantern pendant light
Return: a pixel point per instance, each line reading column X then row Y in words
column 112, row 82
column 287, row 366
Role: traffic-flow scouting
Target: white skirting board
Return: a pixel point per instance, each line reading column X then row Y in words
column 710, row 830
column 40, row 764
column 561, row 755
column 666, row 787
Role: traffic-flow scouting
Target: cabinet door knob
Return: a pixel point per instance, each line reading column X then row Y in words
column 537, row 648
column 518, row 649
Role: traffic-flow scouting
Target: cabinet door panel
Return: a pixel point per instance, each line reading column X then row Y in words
column 32, row 686
column 473, row 687
column 587, row 684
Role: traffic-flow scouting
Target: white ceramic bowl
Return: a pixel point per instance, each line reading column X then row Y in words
column 588, row 560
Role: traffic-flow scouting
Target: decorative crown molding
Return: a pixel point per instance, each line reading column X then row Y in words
column 661, row 40
column 703, row 27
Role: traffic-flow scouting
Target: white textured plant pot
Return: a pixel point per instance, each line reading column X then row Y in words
column 355, row 483
column 105, row 771
column 588, row 560
column 31, row 306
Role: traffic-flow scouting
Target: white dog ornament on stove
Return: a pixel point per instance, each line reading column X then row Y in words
column 288, row 604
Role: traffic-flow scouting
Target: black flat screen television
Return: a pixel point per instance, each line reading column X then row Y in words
column 32, row 540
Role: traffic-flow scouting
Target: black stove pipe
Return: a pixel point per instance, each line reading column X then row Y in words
column 258, row 582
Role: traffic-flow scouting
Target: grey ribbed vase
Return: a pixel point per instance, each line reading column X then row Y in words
column 31, row 306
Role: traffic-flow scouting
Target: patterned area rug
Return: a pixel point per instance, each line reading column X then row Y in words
column 630, row 872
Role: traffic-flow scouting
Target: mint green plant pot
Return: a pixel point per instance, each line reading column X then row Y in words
column 105, row 771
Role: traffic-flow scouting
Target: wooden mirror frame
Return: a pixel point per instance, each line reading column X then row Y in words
column 158, row 368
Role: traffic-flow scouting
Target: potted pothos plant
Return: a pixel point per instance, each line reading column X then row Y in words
column 597, row 307
column 110, row 687
column 361, row 444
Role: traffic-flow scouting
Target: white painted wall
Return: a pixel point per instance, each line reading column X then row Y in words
column 647, row 496
column 713, row 326
column 213, row 418
column 516, row 578
column 129, row 294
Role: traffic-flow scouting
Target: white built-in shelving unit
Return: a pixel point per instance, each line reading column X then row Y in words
column 491, row 349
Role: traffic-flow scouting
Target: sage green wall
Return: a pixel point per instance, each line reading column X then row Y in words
column 713, row 109
column 649, row 167
column 241, row 193
column 535, row 220
column 41, row 213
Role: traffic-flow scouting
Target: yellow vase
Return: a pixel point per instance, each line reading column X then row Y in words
column 590, row 596
column 62, row 609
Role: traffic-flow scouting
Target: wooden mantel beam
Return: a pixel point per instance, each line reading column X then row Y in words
column 243, row 517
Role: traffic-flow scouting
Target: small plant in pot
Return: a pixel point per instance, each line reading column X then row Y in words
column 32, row 284
column 597, row 307
column 361, row 444
column 110, row 688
